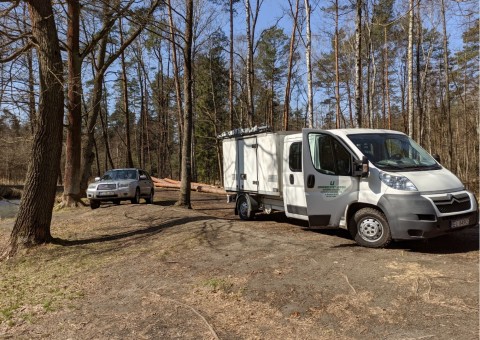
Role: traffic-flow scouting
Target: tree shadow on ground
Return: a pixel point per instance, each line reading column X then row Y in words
column 146, row 231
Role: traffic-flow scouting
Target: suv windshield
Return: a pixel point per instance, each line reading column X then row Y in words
column 393, row 152
column 120, row 175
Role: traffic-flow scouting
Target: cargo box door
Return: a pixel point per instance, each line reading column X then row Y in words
column 247, row 164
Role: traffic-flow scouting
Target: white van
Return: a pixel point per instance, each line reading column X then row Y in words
column 378, row 184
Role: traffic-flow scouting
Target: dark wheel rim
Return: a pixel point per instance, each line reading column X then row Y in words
column 243, row 208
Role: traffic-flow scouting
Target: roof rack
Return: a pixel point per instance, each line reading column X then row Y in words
column 240, row 132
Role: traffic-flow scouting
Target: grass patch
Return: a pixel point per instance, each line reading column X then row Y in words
column 216, row 285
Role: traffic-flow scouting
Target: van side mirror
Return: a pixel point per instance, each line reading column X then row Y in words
column 361, row 168
column 436, row 157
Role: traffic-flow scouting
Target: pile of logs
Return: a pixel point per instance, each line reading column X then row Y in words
column 200, row 187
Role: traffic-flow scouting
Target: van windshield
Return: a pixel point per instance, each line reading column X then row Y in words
column 394, row 152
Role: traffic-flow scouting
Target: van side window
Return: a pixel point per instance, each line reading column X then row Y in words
column 329, row 156
column 295, row 157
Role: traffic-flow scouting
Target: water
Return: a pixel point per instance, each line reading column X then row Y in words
column 8, row 208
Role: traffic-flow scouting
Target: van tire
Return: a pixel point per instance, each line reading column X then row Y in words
column 369, row 228
column 244, row 208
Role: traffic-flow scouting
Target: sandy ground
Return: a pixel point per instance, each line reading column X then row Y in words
column 161, row 272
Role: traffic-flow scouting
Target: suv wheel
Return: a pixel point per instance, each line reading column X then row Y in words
column 149, row 199
column 94, row 204
column 136, row 199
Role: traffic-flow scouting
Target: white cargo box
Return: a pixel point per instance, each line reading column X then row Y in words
column 254, row 163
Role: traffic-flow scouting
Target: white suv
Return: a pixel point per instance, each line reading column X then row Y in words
column 118, row 185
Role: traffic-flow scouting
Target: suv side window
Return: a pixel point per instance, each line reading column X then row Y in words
column 295, row 157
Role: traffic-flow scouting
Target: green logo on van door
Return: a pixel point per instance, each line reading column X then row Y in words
column 332, row 191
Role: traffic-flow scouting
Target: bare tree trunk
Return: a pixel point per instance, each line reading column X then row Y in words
column 32, row 113
column 95, row 110
column 387, row 82
column 71, row 191
column 126, row 108
column 32, row 226
column 186, row 177
column 370, row 64
column 350, row 100
column 447, row 88
column 230, row 71
column 337, row 72
column 286, row 106
column 106, row 139
column 250, row 104
column 308, row 57
column 176, row 77
column 410, row 70
column 358, row 63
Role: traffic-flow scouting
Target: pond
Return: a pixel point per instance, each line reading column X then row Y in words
column 8, row 208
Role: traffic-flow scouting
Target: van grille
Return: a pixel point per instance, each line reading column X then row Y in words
column 455, row 203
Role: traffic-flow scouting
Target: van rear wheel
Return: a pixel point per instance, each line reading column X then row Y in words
column 244, row 208
column 369, row 228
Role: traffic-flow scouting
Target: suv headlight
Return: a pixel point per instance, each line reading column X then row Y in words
column 92, row 186
column 397, row 182
column 123, row 185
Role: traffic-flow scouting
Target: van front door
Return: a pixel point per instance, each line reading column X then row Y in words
column 293, row 183
column 329, row 184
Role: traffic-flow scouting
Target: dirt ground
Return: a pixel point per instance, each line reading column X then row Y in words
column 161, row 272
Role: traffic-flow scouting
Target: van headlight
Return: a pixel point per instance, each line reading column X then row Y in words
column 397, row 182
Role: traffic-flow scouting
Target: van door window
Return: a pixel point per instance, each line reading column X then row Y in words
column 328, row 155
column 295, row 157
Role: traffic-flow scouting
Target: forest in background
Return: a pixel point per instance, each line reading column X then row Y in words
column 380, row 64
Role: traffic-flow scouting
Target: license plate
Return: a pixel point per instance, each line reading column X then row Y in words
column 106, row 193
column 461, row 222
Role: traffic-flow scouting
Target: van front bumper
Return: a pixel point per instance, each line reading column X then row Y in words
column 417, row 216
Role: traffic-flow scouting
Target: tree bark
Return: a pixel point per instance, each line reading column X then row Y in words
column 410, row 71
column 230, row 71
column 71, row 181
column 176, row 77
column 308, row 57
column 387, row 83
column 186, row 177
column 126, row 108
column 446, row 74
column 286, row 105
column 337, row 72
column 250, row 104
column 32, row 226
column 358, row 63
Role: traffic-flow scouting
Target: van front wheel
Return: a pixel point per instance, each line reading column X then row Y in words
column 369, row 228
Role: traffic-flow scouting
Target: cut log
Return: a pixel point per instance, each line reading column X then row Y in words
column 173, row 184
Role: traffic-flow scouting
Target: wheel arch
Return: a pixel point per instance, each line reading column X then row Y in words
column 353, row 208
